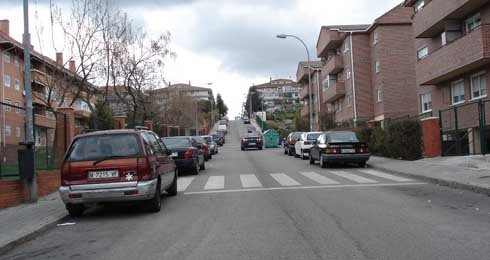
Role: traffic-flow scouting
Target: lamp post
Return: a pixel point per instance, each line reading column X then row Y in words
column 310, row 108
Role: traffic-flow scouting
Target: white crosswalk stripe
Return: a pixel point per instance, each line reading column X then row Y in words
column 352, row 177
column 284, row 180
column 215, row 183
column 183, row 183
column 318, row 178
column 250, row 181
column 385, row 175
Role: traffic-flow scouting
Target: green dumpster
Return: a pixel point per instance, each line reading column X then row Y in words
column 271, row 138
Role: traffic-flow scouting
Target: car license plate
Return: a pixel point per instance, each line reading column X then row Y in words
column 103, row 174
column 175, row 155
column 252, row 143
column 348, row 150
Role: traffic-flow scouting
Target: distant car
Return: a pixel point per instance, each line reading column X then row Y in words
column 222, row 134
column 304, row 143
column 116, row 166
column 218, row 139
column 186, row 154
column 339, row 147
column 213, row 146
column 290, row 142
column 251, row 129
column 223, row 128
column 252, row 140
column 246, row 120
column 201, row 143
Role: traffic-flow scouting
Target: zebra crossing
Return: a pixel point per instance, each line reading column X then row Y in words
column 300, row 180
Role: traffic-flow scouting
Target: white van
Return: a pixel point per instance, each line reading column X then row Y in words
column 222, row 128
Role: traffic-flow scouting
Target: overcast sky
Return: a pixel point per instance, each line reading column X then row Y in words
column 230, row 43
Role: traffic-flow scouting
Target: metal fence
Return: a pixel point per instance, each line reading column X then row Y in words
column 465, row 129
column 12, row 134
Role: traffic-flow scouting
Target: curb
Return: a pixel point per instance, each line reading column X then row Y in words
column 31, row 235
column 442, row 182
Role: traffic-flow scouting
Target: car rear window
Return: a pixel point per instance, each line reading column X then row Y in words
column 313, row 136
column 208, row 139
column 96, row 147
column 343, row 137
column 296, row 135
column 176, row 142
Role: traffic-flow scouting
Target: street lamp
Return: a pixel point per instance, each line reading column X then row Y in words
column 310, row 108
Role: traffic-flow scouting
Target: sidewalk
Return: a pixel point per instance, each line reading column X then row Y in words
column 463, row 172
column 23, row 222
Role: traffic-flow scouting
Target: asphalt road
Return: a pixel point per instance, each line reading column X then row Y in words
column 266, row 205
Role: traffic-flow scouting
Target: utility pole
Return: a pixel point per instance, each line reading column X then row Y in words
column 29, row 142
column 250, row 105
column 197, row 118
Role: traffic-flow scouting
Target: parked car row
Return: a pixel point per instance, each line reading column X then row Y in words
column 129, row 165
column 327, row 147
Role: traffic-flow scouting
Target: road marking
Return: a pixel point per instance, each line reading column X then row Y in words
column 308, row 187
column 385, row 175
column 250, row 181
column 318, row 178
column 352, row 177
column 215, row 183
column 284, row 180
column 183, row 183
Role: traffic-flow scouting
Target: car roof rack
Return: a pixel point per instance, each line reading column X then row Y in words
column 141, row 128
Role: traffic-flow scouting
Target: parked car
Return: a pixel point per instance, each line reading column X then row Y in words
column 304, row 143
column 213, row 146
column 116, row 166
column 201, row 143
column 222, row 134
column 339, row 147
column 252, row 140
column 186, row 154
column 290, row 142
column 223, row 128
column 218, row 139
column 251, row 129
column 246, row 120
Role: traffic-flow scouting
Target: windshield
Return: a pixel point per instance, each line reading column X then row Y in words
column 101, row 146
column 339, row 137
column 176, row 142
column 313, row 136
column 208, row 139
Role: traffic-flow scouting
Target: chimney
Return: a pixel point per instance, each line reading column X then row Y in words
column 59, row 58
column 5, row 27
column 72, row 66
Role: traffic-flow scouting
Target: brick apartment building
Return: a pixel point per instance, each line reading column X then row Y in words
column 43, row 72
column 315, row 68
column 452, row 43
column 198, row 93
column 279, row 94
column 368, row 72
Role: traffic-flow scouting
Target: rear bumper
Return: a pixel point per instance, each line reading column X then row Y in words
column 257, row 145
column 92, row 193
column 346, row 157
column 184, row 164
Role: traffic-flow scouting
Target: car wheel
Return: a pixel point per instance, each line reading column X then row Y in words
column 202, row 167
column 155, row 204
column 323, row 164
column 260, row 148
column 210, row 156
column 172, row 190
column 285, row 151
column 206, row 158
column 303, row 155
column 75, row 210
column 290, row 153
column 312, row 161
column 243, row 149
column 196, row 168
column 362, row 164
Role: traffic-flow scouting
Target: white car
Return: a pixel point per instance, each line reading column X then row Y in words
column 304, row 143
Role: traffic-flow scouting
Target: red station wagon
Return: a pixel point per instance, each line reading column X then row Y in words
column 116, row 166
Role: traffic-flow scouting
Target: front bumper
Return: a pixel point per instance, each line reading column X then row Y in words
column 108, row 192
column 355, row 158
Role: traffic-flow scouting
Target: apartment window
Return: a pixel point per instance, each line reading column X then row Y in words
column 17, row 84
column 16, row 62
column 17, row 109
column 426, row 102
column 6, row 57
column 7, row 107
column 17, row 131
column 443, row 38
column 457, row 92
column 478, row 85
column 348, row 74
column 8, row 130
column 349, row 100
column 380, row 95
column 473, row 22
column 6, row 81
column 422, row 53
column 346, row 46
column 377, row 67
column 375, row 37
column 419, row 5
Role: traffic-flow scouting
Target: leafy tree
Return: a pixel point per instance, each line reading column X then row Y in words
column 102, row 118
column 221, row 106
column 256, row 102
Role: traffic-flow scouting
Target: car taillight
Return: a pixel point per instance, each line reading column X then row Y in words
column 292, row 142
column 188, row 154
column 363, row 150
column 65, row 174
column 332, row 150
column 144, row 169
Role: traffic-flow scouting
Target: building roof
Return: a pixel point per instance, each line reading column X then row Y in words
column 351, row 27
column 181, row 87
column 275, row 83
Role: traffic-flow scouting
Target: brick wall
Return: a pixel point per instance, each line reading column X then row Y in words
column 14, row 192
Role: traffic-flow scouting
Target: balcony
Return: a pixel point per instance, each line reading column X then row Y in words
column 39, row 98
column 459, row 57
column 328, row 40
column 334, row 65
column 431, row 20
column 334, row 92
column 39, row 77
column 44, row 121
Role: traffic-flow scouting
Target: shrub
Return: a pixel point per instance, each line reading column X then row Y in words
column 404, row 140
